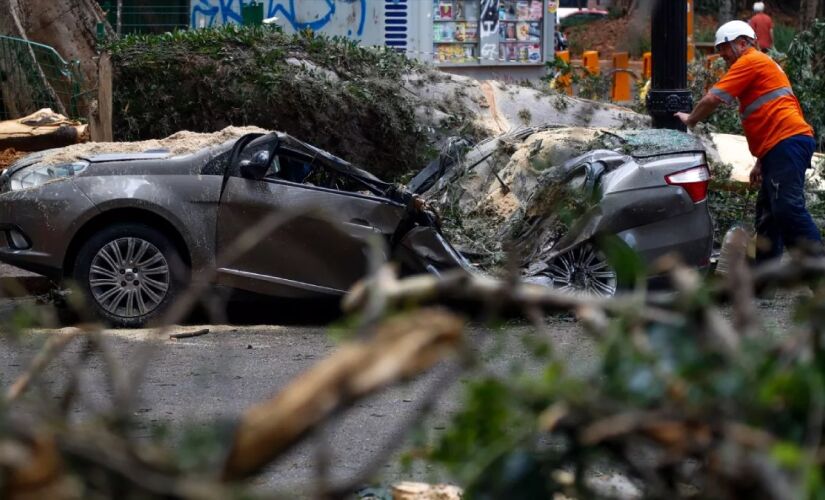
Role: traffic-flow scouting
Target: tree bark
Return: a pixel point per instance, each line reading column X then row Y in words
column 726, row 8
column 809, row 10
column 69, row 26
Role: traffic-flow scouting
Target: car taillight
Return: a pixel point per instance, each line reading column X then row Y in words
column 693, row 180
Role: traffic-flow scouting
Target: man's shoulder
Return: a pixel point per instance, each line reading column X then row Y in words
column 751, row 58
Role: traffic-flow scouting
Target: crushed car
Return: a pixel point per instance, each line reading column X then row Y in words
column 549, row 196
column 132, row 229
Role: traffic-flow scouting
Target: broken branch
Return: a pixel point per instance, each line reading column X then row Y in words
column 186, row 335
column 52, row 348
column 403, row 346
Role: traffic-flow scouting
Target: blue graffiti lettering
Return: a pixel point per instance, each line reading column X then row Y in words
column 210, row 12
column 207, row 11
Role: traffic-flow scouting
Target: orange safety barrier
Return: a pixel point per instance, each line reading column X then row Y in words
column 647, row 65
column 620, row 91
column 564, row 82
column 590, row 61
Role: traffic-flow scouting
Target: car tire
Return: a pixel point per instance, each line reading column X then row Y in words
column 130, row 274
column 585, row 270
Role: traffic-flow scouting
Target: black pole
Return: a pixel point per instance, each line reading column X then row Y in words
column 669, row 92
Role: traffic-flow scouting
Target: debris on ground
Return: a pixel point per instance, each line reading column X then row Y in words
column 179, row 143
column 408, row 490
column 186, row 335
column 9, row 156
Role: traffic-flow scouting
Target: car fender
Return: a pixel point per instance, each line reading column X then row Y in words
column 187, row 203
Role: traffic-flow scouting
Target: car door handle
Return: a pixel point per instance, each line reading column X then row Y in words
column 361, row 222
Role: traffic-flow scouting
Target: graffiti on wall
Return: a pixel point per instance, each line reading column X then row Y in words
column 317, row 15
column 489, row 29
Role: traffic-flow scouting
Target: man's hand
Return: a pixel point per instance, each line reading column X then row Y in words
column 756, row 174
column 706, row 106
column 685, row 117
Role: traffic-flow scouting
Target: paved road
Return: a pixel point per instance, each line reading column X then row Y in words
column 215, row 376
column 195, row 381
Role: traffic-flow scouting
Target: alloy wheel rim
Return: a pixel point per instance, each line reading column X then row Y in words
column 129, row 277
column 583, row 271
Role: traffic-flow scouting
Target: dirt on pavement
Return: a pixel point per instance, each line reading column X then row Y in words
column 9, row 156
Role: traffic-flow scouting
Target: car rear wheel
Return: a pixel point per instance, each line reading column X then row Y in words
column 584, row 270
column 130, row 273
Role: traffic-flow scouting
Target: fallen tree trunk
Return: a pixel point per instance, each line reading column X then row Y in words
column 41, row 130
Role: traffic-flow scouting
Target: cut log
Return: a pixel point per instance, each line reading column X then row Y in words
column 41, row 130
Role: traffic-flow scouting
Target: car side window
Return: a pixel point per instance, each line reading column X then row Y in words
column 290, row 168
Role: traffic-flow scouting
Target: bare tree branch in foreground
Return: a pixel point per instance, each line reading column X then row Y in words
column 402, row 347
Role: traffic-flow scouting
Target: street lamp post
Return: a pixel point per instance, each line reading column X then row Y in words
column 669, row 92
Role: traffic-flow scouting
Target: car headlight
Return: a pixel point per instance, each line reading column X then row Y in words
column 37, row 175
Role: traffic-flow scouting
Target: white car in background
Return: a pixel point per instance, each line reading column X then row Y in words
column 568, row 8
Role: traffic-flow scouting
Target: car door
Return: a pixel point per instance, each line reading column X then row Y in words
column 319, row 243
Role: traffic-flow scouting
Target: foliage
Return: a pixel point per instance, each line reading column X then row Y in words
column 783, row 35
column 638, row 44
column 731, row 204
column 587, row 85
column 306, row 85
column 805, row 66
column 684, row 408
column 706, row 34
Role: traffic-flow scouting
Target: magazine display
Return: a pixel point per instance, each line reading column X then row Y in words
column 456, row 33
column 520, row 31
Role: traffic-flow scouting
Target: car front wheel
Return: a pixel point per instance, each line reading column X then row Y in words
column 130, row 273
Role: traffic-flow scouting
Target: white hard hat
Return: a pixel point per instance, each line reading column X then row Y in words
column 732, row 30
column 758, row 6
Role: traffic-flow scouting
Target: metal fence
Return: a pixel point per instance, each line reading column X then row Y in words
column 148, row 17
column 34, row 76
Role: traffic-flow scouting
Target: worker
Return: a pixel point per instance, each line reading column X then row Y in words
column 762, row 25
column 777, row 135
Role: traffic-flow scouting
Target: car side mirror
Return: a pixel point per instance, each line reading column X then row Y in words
column 256, row 167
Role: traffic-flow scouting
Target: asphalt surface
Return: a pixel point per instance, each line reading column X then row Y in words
column 192, row 382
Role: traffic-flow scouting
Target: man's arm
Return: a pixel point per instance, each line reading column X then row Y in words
column 704, row 109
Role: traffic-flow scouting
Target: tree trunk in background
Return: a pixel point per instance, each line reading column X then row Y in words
column 807, row 12
column 19, row 99
column 726, row 11
column 69, row 26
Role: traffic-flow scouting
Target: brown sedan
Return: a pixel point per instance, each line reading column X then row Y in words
column 133, row 229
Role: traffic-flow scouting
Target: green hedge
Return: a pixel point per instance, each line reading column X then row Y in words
column 327, row 91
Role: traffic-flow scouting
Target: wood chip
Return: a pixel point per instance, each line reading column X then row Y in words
column 186, row 335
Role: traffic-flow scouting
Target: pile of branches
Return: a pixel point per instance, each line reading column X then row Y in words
column 684, row 401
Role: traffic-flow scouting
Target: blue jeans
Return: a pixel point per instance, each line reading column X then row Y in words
column 781, row 216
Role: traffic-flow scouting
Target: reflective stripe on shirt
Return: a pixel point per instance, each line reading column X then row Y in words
column 765, row 98
column 721, row 94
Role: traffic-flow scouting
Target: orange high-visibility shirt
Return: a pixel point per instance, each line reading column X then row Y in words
column 769, row 110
